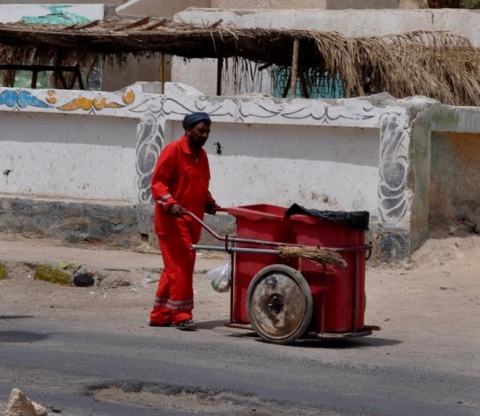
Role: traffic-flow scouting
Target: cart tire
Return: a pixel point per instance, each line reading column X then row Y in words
column 279, row 304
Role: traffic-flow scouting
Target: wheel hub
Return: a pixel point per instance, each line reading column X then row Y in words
column 276, row 304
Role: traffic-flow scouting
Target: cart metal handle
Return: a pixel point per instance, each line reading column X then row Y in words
column 228, row 239
column 229, row 248
column 212, row 232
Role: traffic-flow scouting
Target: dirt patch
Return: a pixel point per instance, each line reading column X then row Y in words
column 194, row 400
column 450, row 242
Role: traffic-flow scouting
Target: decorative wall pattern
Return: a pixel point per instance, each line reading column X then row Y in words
column 150, row 141
column 311, row 113
column 394, row 203
column 21, row 99
column 94, row 104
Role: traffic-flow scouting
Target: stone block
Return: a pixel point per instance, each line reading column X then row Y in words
column 21, row 405
column 362, row 4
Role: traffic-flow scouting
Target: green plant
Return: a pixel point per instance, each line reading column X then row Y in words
column 49, row 274
column 3, row 272
column 470, row 4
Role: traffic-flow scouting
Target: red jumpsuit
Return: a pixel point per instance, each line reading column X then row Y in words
column 179, row 178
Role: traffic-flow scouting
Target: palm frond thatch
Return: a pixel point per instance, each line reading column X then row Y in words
column 439, row 65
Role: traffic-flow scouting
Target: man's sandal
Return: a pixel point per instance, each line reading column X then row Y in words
column 187, row 325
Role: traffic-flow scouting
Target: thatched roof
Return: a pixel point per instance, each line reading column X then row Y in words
column 435, row 64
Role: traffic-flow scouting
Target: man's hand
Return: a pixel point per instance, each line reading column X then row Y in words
column 211, row 208
column 176, row 210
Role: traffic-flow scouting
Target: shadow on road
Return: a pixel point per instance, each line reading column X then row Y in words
column 352, row 343
column 349, row 343
column 15, row 316
column 210, row 324
column 21, row 336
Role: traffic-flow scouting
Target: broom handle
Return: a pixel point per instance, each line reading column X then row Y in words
column 226, row 239
column 234, row 249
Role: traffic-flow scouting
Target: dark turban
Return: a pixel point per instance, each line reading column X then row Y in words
column 193, row 119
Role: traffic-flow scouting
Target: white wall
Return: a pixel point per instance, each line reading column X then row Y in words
column 319, row 167
column 316, row 4
column 164, row 8
column 314, row 166
column 353, row 23
column 53, row 156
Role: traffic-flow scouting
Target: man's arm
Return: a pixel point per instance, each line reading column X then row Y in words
column 164, row 170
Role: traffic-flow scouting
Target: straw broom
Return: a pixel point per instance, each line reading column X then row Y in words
column 318, row 254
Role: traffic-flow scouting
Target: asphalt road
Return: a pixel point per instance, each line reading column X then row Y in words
column 60, row 367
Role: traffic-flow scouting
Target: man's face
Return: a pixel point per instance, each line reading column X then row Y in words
column 198, row 135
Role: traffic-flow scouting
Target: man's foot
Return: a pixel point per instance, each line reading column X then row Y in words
column 160, row 325
column 187, row 325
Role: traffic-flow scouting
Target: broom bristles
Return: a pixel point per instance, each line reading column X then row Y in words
column 317, row 254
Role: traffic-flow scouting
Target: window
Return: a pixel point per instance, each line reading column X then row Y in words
column 310, row 84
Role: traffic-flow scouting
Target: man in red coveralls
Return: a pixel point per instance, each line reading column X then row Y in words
column 180, row 182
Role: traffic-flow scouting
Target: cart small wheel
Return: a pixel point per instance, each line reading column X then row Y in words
column 279, row 304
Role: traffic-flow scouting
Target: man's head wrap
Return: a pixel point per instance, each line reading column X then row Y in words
column 193, row 119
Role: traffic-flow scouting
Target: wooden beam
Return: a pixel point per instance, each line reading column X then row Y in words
column 293, row 85
column 303, row 83
column 162, row 71
column 33, row 84
column 219, row 75
column 78, row 74
column 137, row 23
column 287, row 85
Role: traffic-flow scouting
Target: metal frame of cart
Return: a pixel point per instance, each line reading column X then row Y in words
column 288, row 299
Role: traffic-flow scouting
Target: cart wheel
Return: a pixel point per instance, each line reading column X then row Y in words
column 279, row 304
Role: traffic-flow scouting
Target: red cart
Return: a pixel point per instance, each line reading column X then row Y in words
column 285, row 298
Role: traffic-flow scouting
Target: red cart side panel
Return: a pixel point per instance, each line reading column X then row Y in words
column 258, row 222
column 338, row 292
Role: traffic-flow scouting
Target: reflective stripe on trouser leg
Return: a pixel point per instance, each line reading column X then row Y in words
column 160, row 314
column 174, row 296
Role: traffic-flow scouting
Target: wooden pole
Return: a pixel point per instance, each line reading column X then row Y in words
column 162, row 72
column 303, row 83
column 219, row 75
column 293, row 85
column 34, row 80
column 287, row 85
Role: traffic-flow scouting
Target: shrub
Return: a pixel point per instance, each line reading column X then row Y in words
column 470, row 4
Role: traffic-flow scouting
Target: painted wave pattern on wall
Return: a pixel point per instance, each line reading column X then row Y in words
column 394, row 204
column 150, row 142
column 320, row 113
column 21, row 99
column 92, row 105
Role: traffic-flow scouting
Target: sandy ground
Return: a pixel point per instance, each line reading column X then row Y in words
column 123, row 279
column 436, row 295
